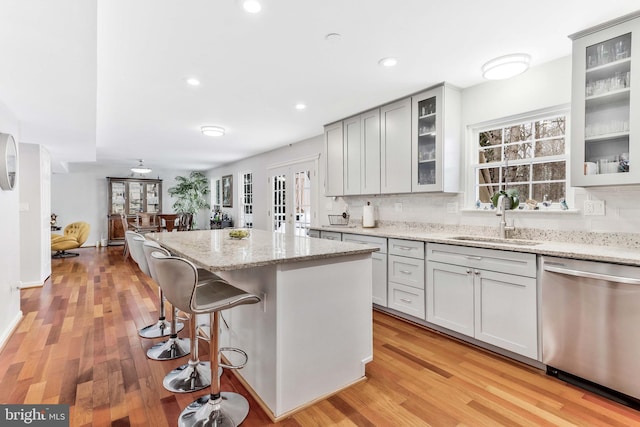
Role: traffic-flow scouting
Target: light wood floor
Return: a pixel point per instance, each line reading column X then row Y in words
column 78, row 344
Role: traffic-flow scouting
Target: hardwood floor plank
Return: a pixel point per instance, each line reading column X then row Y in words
column 78, row 343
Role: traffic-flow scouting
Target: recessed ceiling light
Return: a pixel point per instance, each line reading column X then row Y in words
column 388, row 62
column 506, row 66
column 300, row 106
column 251, row 6
column 212, row 130
column 333, row 37
column 193, row 81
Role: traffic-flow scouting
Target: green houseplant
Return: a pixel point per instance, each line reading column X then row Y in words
column 512, row 196
column 190, row 193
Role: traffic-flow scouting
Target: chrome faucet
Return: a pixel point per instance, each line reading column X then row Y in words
column 502, row 211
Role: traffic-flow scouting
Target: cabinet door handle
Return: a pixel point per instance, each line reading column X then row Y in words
column 476, row 272
column 475, row 258
column 468, row 271
column 405, row 272
column 408, row 301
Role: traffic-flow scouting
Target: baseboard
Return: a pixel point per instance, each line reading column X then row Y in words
column 4, row 337
column 26, row 285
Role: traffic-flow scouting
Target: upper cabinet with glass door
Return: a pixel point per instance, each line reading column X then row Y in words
column 435, row 140
column 604, row 94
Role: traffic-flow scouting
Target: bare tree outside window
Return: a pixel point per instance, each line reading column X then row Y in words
column 528, row 156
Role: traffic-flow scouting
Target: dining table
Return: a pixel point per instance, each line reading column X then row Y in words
column 311, row 334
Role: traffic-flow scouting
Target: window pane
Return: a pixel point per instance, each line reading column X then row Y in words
column 549, row 171
column 554, row 191
column 490, row 137
column 518, row 151
column 518, row 133
column 523, row 191
column 485, row 193
column 490, row 155
column 551, row 147
column 488, row 175
column 550, row 127
column 517, row 173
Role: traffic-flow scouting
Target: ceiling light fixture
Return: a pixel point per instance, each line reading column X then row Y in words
column 212, row 130
column 388, row 62
column 333, row 37
column 506, row 66
column 193, row 81
column 251, row 6
column 141, row 168
column 300, row 106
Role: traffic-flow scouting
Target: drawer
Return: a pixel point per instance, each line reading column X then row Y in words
column 518, row 263
column 314, row 233
column 330, row 235
column 409, row 248
column 407, row 300
column 380, row 242
column 407, row 271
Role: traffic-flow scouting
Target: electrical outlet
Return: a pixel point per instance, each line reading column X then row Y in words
column 594, row 207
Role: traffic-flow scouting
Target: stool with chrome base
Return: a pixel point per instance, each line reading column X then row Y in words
column 174, row 347
column 179, row 279
column 162, row 328
column 195, row 374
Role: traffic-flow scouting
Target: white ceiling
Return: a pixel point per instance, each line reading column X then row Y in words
column 104, row 81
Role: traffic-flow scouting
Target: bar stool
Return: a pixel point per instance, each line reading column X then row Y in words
column 162, row 328
column 195, row 374
column 179, row 279
column 174, row 347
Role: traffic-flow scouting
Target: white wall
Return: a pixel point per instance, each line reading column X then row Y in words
column 259, row 166
column 545, row 86
column 81, row 195
column 10, row 313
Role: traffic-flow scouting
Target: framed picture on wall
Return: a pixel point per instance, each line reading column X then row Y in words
column 227, row 191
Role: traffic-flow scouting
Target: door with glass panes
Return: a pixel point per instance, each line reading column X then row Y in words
column 290, row 188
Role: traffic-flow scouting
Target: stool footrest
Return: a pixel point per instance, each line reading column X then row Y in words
column 234, row 350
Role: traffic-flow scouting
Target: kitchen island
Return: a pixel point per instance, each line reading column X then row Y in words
column 311, row 335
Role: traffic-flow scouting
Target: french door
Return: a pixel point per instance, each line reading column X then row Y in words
column 291, row 194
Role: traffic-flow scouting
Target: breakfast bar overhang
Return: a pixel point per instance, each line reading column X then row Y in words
column 311, row 335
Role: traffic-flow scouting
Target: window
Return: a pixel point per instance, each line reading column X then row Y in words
column 529, row 156
column 246, row 198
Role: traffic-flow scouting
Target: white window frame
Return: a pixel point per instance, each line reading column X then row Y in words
column 473, row 132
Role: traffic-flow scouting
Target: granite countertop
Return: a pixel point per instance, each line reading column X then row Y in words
column 216, row 251
column 620, row 248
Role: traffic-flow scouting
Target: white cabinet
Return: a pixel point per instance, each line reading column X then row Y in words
column 406, row 277
column 395, row 147
column 379, row 261
column 334, row 155
column 487, row 294
column 361, row 152
column 435, row 142
column 604, row 95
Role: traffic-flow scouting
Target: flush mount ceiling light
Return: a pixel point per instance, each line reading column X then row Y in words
column 212, row 130
column 388, row 62
column 506, row 66
column 251, row 6
column 141, row 168
column 333, row 37
column 193, row 81
column 300, row 106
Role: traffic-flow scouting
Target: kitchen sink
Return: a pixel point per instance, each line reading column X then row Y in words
column 517, row 242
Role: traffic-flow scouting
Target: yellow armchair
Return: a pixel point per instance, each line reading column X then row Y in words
column 75, row 234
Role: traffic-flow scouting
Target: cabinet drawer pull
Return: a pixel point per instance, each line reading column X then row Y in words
column 405, row 248
column 405, row 272
column 408, row 301
column 475, row 258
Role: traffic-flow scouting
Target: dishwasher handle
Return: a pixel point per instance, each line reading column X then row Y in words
column 598, row 276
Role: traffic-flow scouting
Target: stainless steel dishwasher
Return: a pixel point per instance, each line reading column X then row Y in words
column 591, row 325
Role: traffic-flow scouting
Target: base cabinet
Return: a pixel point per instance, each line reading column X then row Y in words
column 497, row 307
column 379, row 261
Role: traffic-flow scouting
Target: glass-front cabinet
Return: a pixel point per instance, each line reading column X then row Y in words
column 436, row 140
column 131, row 196
column 605, row 95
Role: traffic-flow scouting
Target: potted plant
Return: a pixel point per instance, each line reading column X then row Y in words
column 190, row 193
column 511, row 195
